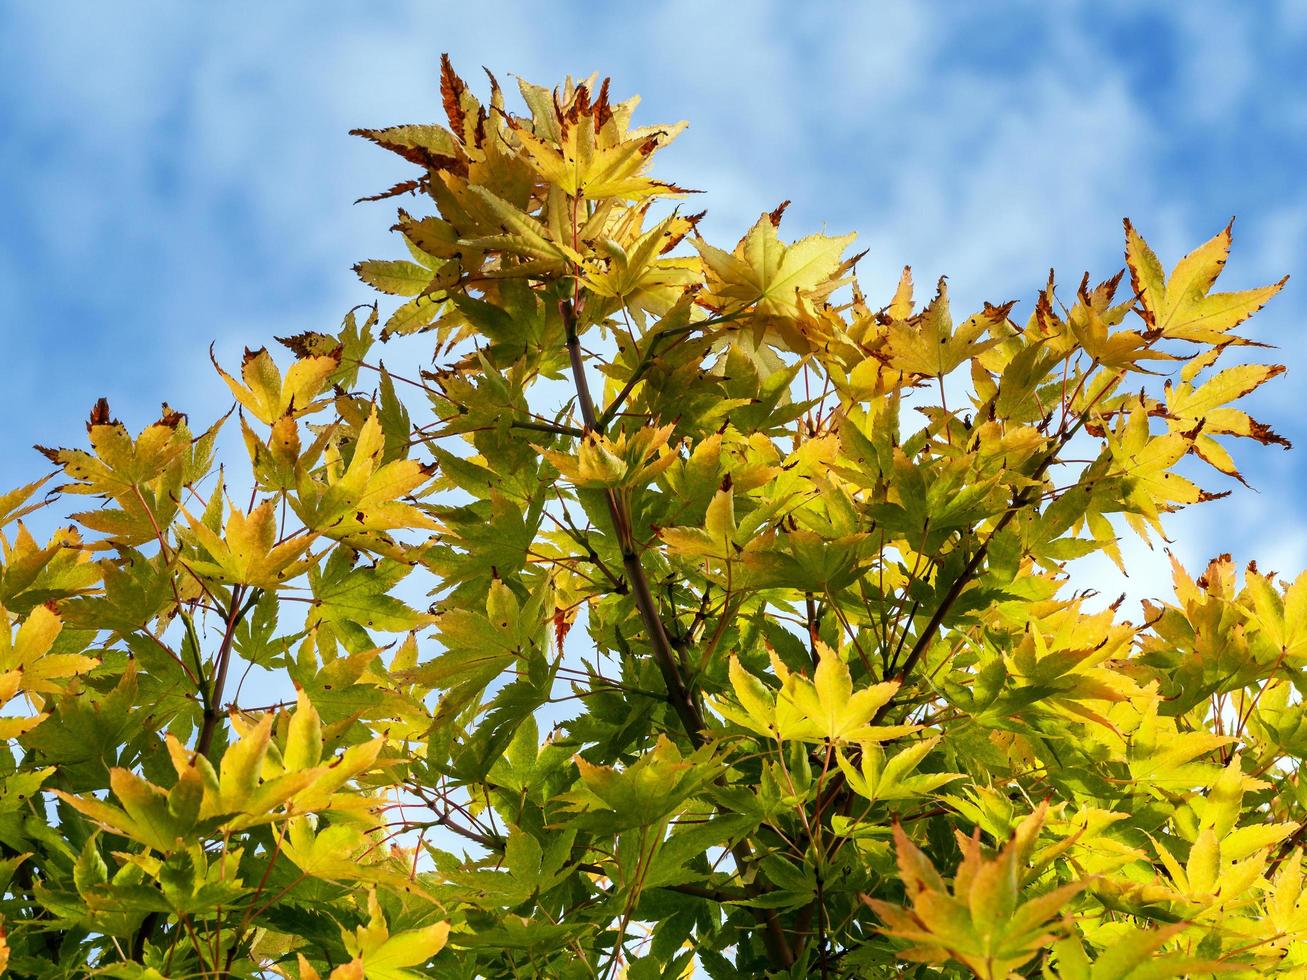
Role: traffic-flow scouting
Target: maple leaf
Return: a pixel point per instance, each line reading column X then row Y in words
column 880, row 778
column 267, row 396
column 247, row 553
column 774, row 279
column 14, row 504
column 1280, row 617
column 29, row 668
column 517, row 233
column 823, row 709
column 1145, row 463
column 1131, row 952
column 396, row 277
column 644, row 793
column 927, row 344
column 252, row 787
column 143, row 477
column 1162, row 755
column 1205, row 412
column 31, row 574
column 982, row 921
column 1284, row 923
column 1067, row 658
column 1182, row 305
column 361, row 501
column 1090, row 322
column 429, row 146
column 635, row 270
column 623, row 461
column 384, row 955
column 589, row 153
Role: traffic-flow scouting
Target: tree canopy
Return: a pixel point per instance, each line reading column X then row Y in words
column 753, row 646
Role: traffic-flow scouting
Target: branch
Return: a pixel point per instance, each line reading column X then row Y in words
column 554, row 430
column 927, row 635
column 1292, row 841
column 212, row 699
column 646, row 361
column 213, row 706
column 678, row 694
column 810, row 607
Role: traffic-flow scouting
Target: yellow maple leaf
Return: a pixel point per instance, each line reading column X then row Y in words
column 587, row 152
column 143, row 477
column 1182, row 306
column 627, row 460
column 927, row 344
column 362, row 500
column 985, row 920
column 1280, row 616
column 267, row 395
column 27, row 667
column 247, row 553
column 822, row 709
column 1205, row 411
column 387, row 956
column 773, row 279
column 1145, row 463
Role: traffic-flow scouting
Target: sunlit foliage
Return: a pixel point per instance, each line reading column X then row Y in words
column 754, row 644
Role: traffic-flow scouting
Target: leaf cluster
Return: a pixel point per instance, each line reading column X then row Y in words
column 751, row 641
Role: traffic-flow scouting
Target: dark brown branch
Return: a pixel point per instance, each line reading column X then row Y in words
column 927, row 635
column 646, row 361
column 583, row 398
column 213, row 707
column 1293, row 840
column 212, row 698
column 810, row 607
column 678, row 693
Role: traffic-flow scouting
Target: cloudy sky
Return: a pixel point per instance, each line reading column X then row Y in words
column 173, row 175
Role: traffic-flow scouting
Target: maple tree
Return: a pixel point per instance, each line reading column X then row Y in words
column 753, row 647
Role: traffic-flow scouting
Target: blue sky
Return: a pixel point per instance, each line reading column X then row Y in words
column 174, row 174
